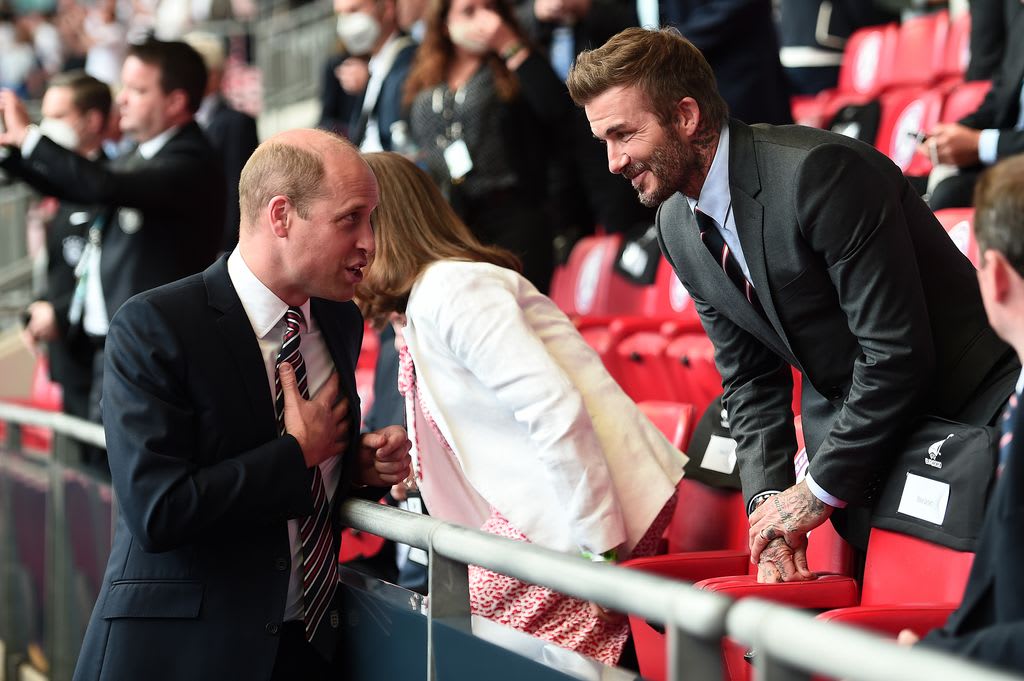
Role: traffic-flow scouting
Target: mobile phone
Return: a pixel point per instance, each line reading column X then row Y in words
column 919, row 135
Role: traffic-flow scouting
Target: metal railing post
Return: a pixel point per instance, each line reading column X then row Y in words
column 448, row 586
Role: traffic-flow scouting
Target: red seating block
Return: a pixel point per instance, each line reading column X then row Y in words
column 959, row 224
column 964, row 99
column 905, row 113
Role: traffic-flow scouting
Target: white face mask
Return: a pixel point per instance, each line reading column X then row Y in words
column 60, row 132
column 419, row 29
column 359, row 32
column 459, row 33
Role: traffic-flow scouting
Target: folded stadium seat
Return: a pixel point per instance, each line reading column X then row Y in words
column 827, row 554
column 904, row 114
column 959, row 224
column 668, row 297
column 370, row 348
column 604, row 333
column 964, row 99
column 674, row 419
column 957, row 52
column 641, row 361
column 868, row 64
column 591, row 286
column 46, row 395
column 908, row 583
column 691, row 370
column 920, row 51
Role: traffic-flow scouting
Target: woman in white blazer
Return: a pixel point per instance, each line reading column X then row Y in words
column 517, row 428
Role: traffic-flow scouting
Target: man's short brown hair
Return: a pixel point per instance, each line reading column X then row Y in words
column 87, row 93
column 999, row 211
column 662, row 64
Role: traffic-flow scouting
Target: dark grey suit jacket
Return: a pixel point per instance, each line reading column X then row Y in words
column 198, row 573
column 863, row 292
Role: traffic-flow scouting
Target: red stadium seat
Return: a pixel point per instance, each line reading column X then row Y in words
column 589, row 284
column 958, row 49
column 920, row 50
column 905, row 113
column 674, row 419
column 964, row 99
column 668, row 297
column 642, row 364
column 691, row 370
column 866, row 71
column 959, row 224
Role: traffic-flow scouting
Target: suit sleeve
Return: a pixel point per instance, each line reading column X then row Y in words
column 712, row 25
column 998, row 644
column 851, row 216
column 497, row 344
column 757, row 393
column 169, row 495
column 158, row 184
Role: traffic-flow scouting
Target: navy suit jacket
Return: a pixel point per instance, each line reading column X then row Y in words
column 198, row 574
column 388, row 108
column 989, row 624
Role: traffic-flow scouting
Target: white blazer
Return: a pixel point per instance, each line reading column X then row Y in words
column 539, row 429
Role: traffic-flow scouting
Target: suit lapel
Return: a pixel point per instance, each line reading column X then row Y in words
column 236, row 331
column 337, row 337
column 745, row 185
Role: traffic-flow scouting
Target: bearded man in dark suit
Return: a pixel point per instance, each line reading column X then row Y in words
column 806, row 249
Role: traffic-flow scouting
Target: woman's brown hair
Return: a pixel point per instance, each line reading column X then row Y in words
column 434, row 55
column 413, row 227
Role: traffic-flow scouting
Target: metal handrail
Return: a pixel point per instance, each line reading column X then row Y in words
column 789, row 644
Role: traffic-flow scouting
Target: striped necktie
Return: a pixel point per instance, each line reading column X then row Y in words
column 720, row 251
column 319, row 555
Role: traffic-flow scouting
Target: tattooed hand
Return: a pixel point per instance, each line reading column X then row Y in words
column 781, row 562
column 788, row 517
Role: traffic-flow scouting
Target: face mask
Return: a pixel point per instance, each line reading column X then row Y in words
column 60, row 132
column 359, row 33
column 459, row 33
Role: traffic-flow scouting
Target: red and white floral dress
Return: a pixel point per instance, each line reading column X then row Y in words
column 560, row 619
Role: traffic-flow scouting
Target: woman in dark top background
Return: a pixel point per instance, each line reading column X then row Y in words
column 485, row 114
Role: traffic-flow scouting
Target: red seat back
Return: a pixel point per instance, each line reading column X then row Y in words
column 964, row 99
column 690, row 362
column 920, row 50
column 958, row 48
column 959, row 224
column 868, row 61
column 675, row 420
column 904, row 569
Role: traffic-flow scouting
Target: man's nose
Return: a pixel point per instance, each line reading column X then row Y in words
column 617, row 159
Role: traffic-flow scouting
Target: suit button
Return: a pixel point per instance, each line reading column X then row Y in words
column 281, row 564
column 273, row 628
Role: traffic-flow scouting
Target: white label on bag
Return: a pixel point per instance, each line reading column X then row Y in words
column 720, row 455
column 924, row 498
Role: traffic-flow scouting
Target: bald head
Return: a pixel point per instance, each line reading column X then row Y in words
column 289, row 164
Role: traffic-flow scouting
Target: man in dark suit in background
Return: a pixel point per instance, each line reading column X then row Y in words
column 231, row 132
column 799, row 248
column 163, row 204
column 739, row 40
column 75, row 109
column 232, row 417
column 989, row 624
column 374, row 70
column 994, row 131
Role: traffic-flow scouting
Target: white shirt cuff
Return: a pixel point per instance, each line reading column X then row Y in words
column 822, row 495
column 988, row 143
column 32, row 136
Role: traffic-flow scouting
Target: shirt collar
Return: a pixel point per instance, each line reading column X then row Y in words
column 715, row 197
column 383, row 50
column 152, row 146
column 206, row 108
column 262, row 307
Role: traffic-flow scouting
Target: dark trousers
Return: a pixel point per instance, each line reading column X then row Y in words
column 956, row 191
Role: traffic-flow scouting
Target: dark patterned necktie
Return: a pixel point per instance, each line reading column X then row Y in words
column 319, row 556
column 722, row 254
column 1006, row 425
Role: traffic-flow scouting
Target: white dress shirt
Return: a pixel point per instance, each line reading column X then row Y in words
column 266, row 314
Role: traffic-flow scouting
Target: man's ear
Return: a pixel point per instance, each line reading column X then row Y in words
column 279, row 211
column 1000, row 273
column 95, row 122
column 688, row 116
column 177, row 103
